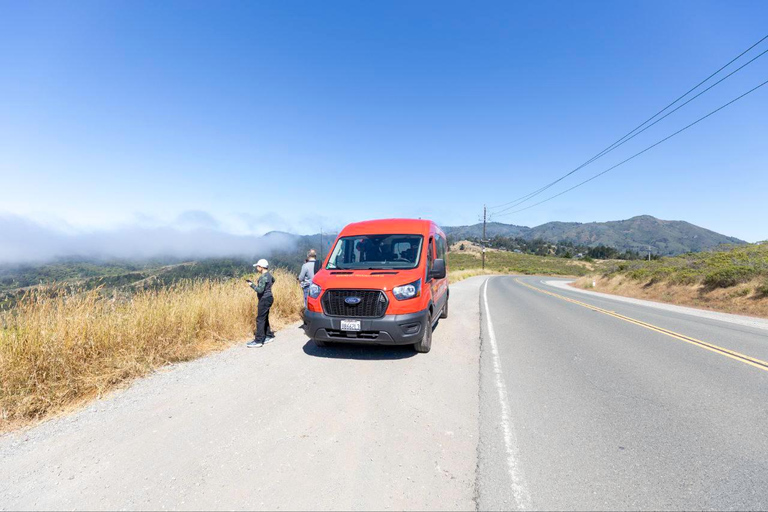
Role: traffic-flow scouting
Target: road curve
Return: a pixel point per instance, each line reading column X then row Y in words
column 612, row 414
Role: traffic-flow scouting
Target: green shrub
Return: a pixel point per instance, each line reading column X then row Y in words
column 729, row 276
column 714, row 269
column 685, row 277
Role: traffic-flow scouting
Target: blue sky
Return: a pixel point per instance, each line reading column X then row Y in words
column 250, row 116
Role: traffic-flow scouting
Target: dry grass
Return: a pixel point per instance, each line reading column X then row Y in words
column 57, row 350
column 505, row 262
column 743, row 299
column 454, row 276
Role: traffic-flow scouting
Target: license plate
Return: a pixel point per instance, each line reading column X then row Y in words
column 350, row 325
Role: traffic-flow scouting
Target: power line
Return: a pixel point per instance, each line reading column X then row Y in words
column 632, row 134
column 639, row 153
column 636, row 134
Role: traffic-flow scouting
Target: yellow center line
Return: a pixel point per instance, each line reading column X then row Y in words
column 752, row 361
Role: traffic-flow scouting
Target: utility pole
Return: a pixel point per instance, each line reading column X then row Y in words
column 649, row 253
column 321, row 243
column 483, row 239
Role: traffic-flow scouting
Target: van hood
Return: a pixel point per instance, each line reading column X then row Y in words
column 365, row 279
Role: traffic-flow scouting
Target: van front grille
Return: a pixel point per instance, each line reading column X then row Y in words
column 371, row 304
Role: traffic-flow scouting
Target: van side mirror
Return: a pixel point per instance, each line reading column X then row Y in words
column 438, row 269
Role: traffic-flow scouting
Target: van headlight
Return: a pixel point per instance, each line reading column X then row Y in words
column 407, row 291
column 314, row 291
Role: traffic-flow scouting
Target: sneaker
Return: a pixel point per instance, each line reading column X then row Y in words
column 254, row 343
column 268, row 339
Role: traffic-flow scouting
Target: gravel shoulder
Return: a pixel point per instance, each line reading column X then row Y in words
column 287, row 426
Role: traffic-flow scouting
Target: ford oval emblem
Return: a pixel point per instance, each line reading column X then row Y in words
column 353, row 301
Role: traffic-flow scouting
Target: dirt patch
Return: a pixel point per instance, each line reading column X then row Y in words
column 470, row 248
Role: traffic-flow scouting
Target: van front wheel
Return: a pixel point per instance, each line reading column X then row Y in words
column 320, row 343
column 425, row 343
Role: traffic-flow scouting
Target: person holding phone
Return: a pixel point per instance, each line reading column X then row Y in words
column 263, row 289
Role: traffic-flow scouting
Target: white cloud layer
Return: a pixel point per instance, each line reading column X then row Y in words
column 193, row 234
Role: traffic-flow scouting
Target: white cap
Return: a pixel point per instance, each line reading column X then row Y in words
column 262, row 263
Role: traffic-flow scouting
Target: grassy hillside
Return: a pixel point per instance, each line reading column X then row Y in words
column 461, row 262
column 156, row 272
column 635, row 234
column 57, row 349
column 734, row 280
column 716, row 269
column 492, row 229
column 127, row 277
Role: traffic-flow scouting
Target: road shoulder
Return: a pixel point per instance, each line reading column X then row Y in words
column 747, row 321
column 290, row 426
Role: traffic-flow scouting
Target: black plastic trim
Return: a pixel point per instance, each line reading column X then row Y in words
column 387, row 330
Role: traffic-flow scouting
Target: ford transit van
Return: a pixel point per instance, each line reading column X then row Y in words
column 384, row 282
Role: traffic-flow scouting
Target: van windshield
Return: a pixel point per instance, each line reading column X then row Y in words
column 376, row 252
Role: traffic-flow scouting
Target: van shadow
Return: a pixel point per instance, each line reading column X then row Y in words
column 359, row 352
column 362, row 351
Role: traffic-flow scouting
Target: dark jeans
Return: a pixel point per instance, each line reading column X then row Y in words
column 262, row 319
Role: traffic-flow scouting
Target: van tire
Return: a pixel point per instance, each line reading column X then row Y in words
column 320, row 343
column 425, row 343
column 444, row 312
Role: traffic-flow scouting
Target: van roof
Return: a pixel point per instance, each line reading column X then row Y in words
column 390, row 226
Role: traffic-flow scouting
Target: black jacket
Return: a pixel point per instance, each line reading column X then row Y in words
column 264, row 286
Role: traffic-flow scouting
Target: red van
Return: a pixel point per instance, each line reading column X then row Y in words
column 384, row 282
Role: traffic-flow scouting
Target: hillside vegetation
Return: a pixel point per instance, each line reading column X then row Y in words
column 734, row 280
column 126, row 277
column 635, row 234
column 468, row 262
column 59, row 347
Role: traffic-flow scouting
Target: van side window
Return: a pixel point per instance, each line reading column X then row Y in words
column 441, row 248
column 430, row 256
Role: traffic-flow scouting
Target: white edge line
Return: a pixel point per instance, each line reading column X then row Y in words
column 518, row 485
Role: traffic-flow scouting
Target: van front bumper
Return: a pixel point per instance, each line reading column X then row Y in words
column 387, row 330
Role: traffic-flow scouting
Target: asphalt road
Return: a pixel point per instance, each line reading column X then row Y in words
column 606, row 413
column 533, row 397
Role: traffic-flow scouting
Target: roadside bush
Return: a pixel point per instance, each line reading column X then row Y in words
column 685, row 277
column 729, row 276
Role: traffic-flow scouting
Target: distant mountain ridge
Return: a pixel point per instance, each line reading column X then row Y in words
column 667, row 237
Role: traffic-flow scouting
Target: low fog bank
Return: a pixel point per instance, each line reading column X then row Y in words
column 25, row 241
